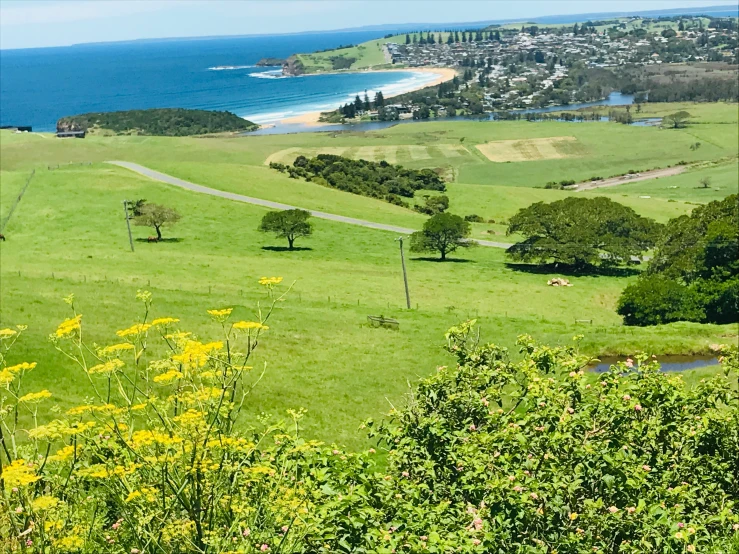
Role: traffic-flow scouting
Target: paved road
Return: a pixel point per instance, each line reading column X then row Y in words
column 164, row 178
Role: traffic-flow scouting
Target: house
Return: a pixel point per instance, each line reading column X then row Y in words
column 71, row 134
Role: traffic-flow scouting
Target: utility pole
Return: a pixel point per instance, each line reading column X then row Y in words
column 128, row 223
column 405, row 276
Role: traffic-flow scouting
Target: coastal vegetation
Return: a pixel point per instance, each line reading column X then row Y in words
column 170, row 122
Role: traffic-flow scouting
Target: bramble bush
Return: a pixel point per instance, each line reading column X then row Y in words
column 488, row 455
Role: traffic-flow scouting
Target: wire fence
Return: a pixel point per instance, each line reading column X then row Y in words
column 5, row 220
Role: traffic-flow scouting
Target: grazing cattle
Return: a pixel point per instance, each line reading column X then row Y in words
column 152, row 239
column 2, row 237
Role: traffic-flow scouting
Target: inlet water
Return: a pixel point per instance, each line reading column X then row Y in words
column 667, row 363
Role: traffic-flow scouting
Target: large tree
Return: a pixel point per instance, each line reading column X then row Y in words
column 581, row 232
column 443, row 233
column 699, row 255
column 288, row 224
column 156, row 216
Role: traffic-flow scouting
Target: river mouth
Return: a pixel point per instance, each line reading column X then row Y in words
column 667, row 363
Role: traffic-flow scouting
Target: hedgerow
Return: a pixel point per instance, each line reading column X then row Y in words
column 487, row 455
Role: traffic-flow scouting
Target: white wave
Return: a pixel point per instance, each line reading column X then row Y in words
column 405, row 84
column 230, row 67
column 272, row 74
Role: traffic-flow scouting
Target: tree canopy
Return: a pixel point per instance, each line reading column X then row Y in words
column 172, row 122
column 380, row 180
column 443, row 233
column 581, row 232
column 288, row 224
column 156, row 216
column 697, row 261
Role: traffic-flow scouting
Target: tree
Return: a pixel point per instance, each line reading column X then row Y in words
column 288, row 224
column 407, row 39
column 581, row 232
column 156, row 216
column 434, row 205
column 681, row 26
column 358, row 104
column 366, row 105
column 676, row 120
column 657, row 300
column 443, row 233
column 379, row 100
column 700, row 253
column 705, row 182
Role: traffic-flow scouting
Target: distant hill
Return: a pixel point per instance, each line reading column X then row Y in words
column 169, row 122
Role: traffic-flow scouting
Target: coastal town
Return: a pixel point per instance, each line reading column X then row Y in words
column 532, row 67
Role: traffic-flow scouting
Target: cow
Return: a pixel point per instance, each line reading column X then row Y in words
column 2, row 237
column 152, row 239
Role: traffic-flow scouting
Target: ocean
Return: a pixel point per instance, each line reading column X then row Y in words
column 38, row 86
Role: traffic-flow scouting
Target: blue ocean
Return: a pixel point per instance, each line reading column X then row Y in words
column 38, row 86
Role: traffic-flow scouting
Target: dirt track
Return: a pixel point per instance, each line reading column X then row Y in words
column 624, row 179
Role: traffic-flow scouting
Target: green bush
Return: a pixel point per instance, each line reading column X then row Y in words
column 656, row 300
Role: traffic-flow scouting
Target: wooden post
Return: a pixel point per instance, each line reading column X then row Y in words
column 405, row 275
column 128, row 223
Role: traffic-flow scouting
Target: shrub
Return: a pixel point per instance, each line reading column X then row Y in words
column 656, row 300
column 474, row 218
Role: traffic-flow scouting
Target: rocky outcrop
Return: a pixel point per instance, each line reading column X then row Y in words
column 66, row 124
column 293, row 66
column 270, row 62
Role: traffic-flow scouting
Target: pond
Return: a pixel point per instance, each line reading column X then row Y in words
column 614, row 99
column 667, row 363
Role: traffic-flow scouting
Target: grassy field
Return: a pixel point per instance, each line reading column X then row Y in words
column 68, row 235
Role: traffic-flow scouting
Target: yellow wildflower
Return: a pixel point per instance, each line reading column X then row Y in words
column 89, row 408
column 220, row 315
column 195, row 353
column 164, row 321
column 25, row 366
column 245, row 325
column 148, row 437
column 190, row 417
column 107, row 367
column 67, row 327
column 57, row 429
column 114, row 348
column 137, row 329
column 62, row 454
column 72, row 543
column 182, row 335
column 43, row 503
column 270, row 281
column 35, row 396
column 133, row 495
column 7, row 333
column 573, row 516
column 6, row 377
column 19, row 473
column 168, row 377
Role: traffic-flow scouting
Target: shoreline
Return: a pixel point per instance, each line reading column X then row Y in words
column 311, row 118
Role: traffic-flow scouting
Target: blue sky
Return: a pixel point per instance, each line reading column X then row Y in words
column 34, row 23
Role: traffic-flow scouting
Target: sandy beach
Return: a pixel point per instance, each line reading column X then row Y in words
column 443, row 74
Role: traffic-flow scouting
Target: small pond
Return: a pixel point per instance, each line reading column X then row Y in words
column 667, row 363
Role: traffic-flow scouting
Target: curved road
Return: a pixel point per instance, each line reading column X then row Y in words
column 164, row 178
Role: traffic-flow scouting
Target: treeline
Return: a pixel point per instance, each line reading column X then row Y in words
column 474, row 35
column 171, row 122
column 380, row 180
column 704, row 90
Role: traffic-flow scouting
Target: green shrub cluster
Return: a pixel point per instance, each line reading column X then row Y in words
column 695, row 272
column 170, row 122
column 380, row 180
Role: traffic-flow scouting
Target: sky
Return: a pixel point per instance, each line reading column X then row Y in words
column 38, row 23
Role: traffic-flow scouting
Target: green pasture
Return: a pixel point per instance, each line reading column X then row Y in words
column 68, row 235
column 321, row 353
